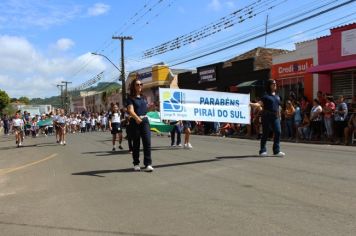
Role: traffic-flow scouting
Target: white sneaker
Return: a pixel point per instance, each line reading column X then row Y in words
column 173, row 145
column 180, row 145
column 185, row 146
column 280, row 154
column 64, row 142
column 149, row 169
column 137, row 168
column 263, row 154
column 189, row 146
column 20, row 144
column 61, row 143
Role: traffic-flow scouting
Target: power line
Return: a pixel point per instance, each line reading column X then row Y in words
column 270, row 32
column 147, row 8
column 224, row 23
column 311, row 29
column 254, row 32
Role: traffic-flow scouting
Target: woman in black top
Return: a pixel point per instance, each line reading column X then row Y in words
column 140, row 127
column 270, row 119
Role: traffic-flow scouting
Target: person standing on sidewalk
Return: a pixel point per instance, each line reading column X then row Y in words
column 340, row 115
column 270, row 119
column 140, row 127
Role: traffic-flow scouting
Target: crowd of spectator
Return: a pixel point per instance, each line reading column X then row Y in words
column 324, row 119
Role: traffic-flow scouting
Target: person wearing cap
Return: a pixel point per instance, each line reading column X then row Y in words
column 270, row 119
column 140, row 127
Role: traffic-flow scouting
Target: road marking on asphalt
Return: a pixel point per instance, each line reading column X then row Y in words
column 10, row 170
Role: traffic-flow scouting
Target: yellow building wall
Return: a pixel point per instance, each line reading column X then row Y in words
column 160, row 73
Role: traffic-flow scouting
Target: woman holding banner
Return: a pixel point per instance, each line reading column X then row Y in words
column 270, row 119
column 140, row 127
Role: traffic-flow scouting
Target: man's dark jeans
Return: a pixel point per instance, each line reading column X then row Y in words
column 271, row 122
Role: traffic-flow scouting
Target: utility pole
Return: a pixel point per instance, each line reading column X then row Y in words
column 62, row 100
column 266, row 32
column 66, row 95
column 123, row 76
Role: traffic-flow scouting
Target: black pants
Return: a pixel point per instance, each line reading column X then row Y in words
column 176, row 129
column 315, row 129
column 339, row 129
column 50, row 130
column 270, row 122
column 141, row 131
column 87, row 126
column 129, row 136
column 6, row 129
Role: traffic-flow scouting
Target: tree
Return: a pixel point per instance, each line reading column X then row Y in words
column 10, row 110
column 24, row 100
column 4, row 99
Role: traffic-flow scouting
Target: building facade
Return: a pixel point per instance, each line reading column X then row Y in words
column 153, row 78
column 245, row 73
column 290, row 71
column 337, row 62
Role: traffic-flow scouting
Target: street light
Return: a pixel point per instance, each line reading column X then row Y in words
column 98, row 54
column 122, row 79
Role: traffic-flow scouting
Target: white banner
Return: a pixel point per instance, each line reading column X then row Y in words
column 197, row 105
column 348, row 42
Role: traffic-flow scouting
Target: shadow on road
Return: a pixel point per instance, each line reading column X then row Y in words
column 29, row 146
column 107, row 153
column 119, row 152
column 98, row 173
column 71, row 230
column 238, row 157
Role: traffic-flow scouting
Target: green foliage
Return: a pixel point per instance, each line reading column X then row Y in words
column 108, row 87
column 4, row 99
column 104, row 86
column 9, row 110
column 24, row 100
column 54, row 101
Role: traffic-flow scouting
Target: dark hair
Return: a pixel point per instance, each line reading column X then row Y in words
column 330, row 98
column 317, row 101
column 132, row 88
column 113, row 105
column 268, row 85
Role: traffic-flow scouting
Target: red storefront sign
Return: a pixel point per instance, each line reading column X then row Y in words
column 294, row 68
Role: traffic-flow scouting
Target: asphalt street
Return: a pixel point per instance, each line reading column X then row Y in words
column 220, row 187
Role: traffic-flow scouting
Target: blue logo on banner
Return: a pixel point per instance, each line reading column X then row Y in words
column 173, row 102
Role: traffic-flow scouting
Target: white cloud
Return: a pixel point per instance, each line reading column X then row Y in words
column 98, row 9
column 215, row 5
column 20, row 14
column 218, row 5
column 64, row 44
column 24, row 71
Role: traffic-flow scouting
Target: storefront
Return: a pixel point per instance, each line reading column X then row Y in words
column 245, row 73
column 290, row 71
column 292, row 79
column 153, row 78
column 337, row 62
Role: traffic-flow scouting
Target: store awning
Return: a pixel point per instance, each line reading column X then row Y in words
column 332, row 67
column 253, row 83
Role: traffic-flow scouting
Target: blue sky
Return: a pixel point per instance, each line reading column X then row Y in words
column 43, row 42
